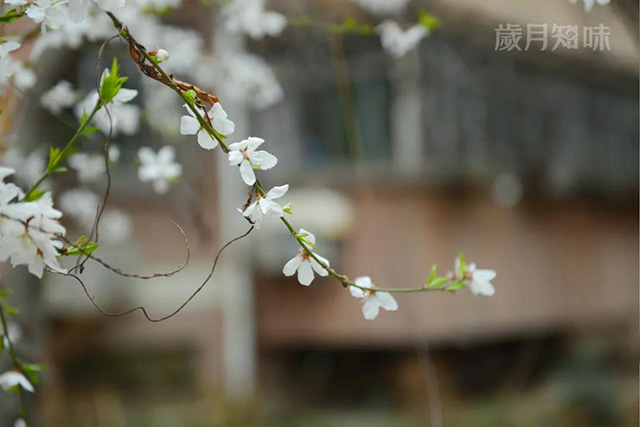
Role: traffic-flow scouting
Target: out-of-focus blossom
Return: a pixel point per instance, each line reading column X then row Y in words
column 244, row 154
column 396, row 41
column 8, row 46
column 481, row 281
column 372, row 300
column 114, row 153
column 89, row 167
column 250, row 17
column 24, row 78
column 50, row 14
column 304, row 263
column 241, row 77
column 265, row 207
column 29, row 168
column 158, row 168
column 11, row 379
column 383, row 7
column 59, row 97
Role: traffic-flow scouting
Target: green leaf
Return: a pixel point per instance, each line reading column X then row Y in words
column 455, row 286
column 438, row 281
column 111, row 83
column 287, row 208
column 34, row 195
column 433, row 275
column 31, row 371
column 462, row 265
column 54, row 158
column 429, row 21
column 11, row 15
column 11, row 310
column 190, row 96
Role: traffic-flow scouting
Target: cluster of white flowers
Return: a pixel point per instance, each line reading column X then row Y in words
column 59, row 97
column 28, row 229
column 396, row 41
column 588, row 4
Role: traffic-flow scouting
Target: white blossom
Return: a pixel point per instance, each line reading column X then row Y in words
column 8, row 46
column 481, row 281
column 117, row 116
column 305, row 264
column 24, row 78
column 88, row 167
column 189, row 125
column 241, row 77
column 396, row 41
column 50, row 14
column 11, row 379
column 114, row 153
column 115, row 226
column 383, row 7
column 265, row 207
column 28, row 230
column 20, row 423
column 29, row 168
column 81, row 205
column 162, row 55
column 158, row 168
column 244, row 154
column 250, row 18
column 372, row 299
column 59, row 97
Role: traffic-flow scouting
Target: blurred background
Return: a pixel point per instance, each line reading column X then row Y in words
column 526, row 161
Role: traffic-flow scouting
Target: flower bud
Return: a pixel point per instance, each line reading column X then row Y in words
column 162, row 55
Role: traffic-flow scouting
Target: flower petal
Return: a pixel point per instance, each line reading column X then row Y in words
column 277, row 192
column 317, row 267
column 292, row 266
column 264, row 160
column 206, row 141
column 370, row 308
column 189, row 125
column 248, row 176
column 386, row 301
column 305, row 273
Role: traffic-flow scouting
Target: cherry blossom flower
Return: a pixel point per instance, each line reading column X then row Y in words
column 20, row 423
column 244, row 153
column 89, row 167
column 158, row 168
column 49, row 13
column 29, row 168
column 59, row 97
column 372, row 300
column 24, row 78
column 304, row 264
column 189, row 125
column 161, row 55
column 120, row 118
column 241, row 77
column 396, row 41
column 249, row 17
column 28, row 229
column 265, row 207
column 481, row 281
column 8, row 46
column 11, row 379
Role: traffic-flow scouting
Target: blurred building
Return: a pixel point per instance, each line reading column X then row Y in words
column 526, row 161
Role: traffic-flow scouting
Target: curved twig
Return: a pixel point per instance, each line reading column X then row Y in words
column 144, row 311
